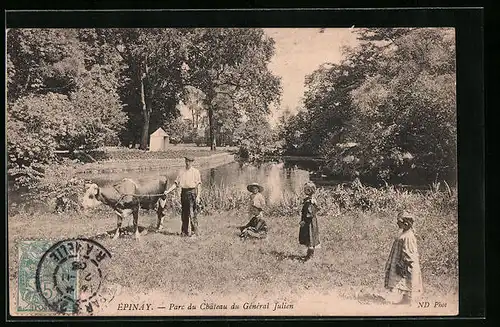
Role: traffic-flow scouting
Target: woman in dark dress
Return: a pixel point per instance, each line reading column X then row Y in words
column 309, row 231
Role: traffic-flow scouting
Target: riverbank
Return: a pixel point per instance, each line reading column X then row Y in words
column 218, row 266
column 67, row 180
column 357, row 227
column 113, row 166
column 89, row 171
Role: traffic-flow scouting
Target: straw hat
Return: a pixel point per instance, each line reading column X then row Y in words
column 405, row 215
column 260, row 187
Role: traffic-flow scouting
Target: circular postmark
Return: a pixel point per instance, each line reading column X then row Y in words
column 70, row 276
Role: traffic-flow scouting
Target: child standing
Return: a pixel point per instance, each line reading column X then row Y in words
column 256, row 227
column 402, row 271
column 309, row 231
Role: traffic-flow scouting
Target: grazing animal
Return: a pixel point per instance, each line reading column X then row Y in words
column 127, row 197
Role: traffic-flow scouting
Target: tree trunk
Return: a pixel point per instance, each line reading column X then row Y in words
column 211, row 122
column 146, row 113
column 213, row 144
column 194, row 118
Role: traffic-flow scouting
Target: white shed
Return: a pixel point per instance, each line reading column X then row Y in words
column 159, row 140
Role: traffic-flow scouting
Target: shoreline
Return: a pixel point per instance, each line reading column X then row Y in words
column 117, row 166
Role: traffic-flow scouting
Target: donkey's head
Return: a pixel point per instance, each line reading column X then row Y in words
column 90, row 197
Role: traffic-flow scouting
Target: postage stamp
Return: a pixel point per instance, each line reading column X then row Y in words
column 67, row 277
column 28, row 297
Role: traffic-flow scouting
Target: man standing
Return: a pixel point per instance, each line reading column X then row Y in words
column 189, row 180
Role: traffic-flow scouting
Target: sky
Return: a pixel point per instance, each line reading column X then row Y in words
column 298, row 52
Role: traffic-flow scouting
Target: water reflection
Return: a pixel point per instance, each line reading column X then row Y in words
column 273, row 176
column 212, row 176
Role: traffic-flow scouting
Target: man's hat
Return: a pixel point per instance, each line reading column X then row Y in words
column 188, row 158
column 249, row 187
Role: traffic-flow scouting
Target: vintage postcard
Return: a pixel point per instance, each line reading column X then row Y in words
column 174, row 172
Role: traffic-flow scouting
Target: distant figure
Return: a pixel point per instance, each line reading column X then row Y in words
column 309, row 230
column 402, row 271
column 189, row 180
column 244, row 153
column 256, row 227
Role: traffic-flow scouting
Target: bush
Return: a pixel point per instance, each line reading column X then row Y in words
column 34, row 125
column 37, row 125
column 58, row 192
column 333, row 201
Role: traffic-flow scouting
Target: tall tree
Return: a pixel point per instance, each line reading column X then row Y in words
column 154, row 59
column 73, row 67
column 42, row 61
column 193, row 99
column 231, row 61
column 394, row 95
column 410, row 102
column 57, row 99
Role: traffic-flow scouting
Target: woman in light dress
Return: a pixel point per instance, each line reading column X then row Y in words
column 403, row 276
column 257, row 226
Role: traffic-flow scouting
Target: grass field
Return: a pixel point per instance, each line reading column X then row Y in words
column 354, row 247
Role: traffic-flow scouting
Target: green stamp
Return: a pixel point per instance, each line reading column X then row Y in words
column 28, row 297
column 63, row 277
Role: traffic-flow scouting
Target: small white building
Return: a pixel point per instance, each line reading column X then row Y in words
column 159, row 140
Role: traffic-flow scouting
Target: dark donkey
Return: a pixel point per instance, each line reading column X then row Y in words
column 126, row 198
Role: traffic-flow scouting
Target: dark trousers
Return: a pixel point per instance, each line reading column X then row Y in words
column 188, row 203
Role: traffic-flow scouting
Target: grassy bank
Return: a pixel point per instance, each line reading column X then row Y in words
column 355, row 243
column 172, row 152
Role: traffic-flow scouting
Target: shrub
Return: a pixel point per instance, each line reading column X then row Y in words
column 37, row 125
column 332, row 201
column 34, row 125
column 59, row 191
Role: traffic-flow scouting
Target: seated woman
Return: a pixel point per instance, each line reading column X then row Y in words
column 256, row 227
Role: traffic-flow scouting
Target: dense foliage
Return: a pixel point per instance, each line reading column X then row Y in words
column 230, row 67
column 79, row 89
column 392, row 100
column 56, row 100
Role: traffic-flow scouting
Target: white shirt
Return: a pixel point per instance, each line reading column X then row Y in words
column 257, row 202
column 188, row 178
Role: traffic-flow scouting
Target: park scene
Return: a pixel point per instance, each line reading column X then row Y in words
column 368, row 116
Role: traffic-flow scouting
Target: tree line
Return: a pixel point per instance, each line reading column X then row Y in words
column 386, row 112
column 84, row 88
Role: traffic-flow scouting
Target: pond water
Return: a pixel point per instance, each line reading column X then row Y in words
column 277, row 178
column 273, row 176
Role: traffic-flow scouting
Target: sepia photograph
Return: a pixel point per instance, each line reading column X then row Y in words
column 173, row 172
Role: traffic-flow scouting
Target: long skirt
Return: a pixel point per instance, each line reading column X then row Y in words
column 309, row 234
